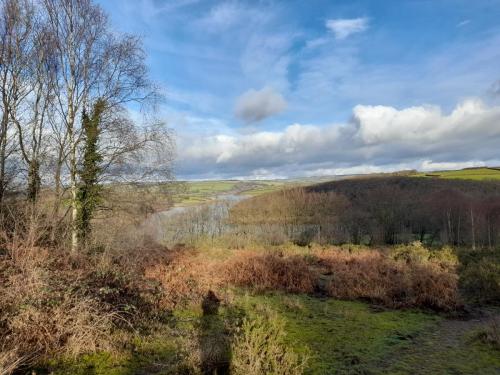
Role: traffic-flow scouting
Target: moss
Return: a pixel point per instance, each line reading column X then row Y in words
column 96, row 363
column 157, row 353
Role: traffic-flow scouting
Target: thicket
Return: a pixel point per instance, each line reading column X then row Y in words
column 367, row 275
column 379, row 211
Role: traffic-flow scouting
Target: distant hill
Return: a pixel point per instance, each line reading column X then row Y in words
column 480, row 173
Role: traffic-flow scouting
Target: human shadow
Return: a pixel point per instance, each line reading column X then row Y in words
column 213, row 338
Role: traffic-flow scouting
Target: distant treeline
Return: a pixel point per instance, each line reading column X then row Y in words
column 384, row 210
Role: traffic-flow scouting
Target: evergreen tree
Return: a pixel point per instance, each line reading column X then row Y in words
column 89, row 190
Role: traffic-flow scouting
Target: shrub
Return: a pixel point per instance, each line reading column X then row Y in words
column 491, row 335
column 373, row 276
column 10, row 360
column 40, row 313
column 445, row 257
column 186, row 278
column 71, row 327
column 270, row 271
column 480, row 280
column 54, row 304
column 363, row 274
column 414, row 252
column 259, row 348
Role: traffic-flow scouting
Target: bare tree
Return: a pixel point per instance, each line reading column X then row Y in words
column 58, row 58
column 92, row 62
column 16, row 28
column 30, row 117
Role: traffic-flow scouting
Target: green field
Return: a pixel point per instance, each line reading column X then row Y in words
column 196, row 192
column 464, row 174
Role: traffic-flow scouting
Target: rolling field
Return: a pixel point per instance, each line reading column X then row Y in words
column 465, row 174
column 196, row 192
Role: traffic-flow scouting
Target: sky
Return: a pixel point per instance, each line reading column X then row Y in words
column 280, row 89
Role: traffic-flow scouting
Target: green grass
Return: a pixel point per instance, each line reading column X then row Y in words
column 340, row 337
column 343, row 337
column 436, row 354
column 465, row 174
column 158, row 356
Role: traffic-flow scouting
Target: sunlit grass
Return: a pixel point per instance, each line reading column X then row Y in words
column 477, row 174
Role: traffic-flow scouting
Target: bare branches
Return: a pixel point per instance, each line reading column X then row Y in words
column 57, row 59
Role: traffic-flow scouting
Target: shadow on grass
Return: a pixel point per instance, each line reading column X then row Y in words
column 213, row 340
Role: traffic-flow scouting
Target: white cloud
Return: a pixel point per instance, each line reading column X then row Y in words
column 221, row 17
column 428, row 165
column 378, row 138
column 232, row 14
column 256, row 105
column 463, row 23
column 343, row 27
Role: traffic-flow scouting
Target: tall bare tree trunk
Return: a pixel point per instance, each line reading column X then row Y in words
column 73, row 181
column 3, row 151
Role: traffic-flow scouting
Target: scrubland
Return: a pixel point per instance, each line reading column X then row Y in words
column 244, row 303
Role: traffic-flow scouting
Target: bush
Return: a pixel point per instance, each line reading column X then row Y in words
column 259, row 348
column 270, row 271
column 480, row 280
column 54, row 304
column 185, row 279
column 414, row 252
column 373, row 276
column 445, row 257
column 491, row 335
column 41, row 315
column 364, row 274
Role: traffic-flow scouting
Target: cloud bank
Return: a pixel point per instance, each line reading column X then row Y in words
column 377, row 138
column 256, row 105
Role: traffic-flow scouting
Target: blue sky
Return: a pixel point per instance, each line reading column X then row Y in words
column 260, row 89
